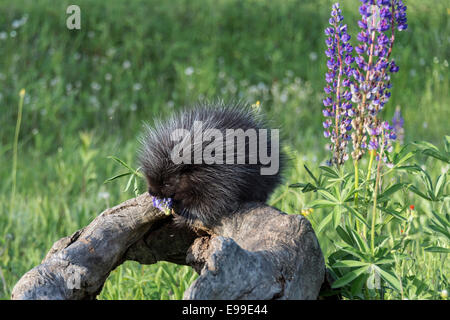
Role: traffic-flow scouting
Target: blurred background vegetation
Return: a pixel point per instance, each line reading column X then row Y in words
column 88, row 92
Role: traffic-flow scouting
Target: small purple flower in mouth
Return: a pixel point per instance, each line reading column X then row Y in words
column 165, row 205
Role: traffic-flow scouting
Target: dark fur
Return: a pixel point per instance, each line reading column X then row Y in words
column 204, row 191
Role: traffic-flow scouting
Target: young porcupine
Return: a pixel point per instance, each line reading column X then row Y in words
column 202, row 189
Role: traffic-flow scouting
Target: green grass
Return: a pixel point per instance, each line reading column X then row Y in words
column 88, row 91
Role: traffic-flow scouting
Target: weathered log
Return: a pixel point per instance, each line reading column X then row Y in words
column 256, row 253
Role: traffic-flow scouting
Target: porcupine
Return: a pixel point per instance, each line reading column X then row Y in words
column 205, row 191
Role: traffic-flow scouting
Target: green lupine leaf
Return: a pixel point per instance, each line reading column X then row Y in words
column 311, row 174
column 328, row 195
column 348, row 277
column 345, row 236
column 337, row 214
column 442, row 220
column 440, row 183
column 321, row 203
column 437, row 249
column 420, row 194
column 392, row 212
column 391, row 190
column 389, row 278
column 329, row 171
column 324, row 222
column 349, row 264
column 356, row 214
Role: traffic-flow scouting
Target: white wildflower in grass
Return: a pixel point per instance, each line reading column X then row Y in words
column 94, row 103
column 77, row 56
column 19, row 22
column 189, row 71
column 111, row 52
column 313, row 56
column 108, row 77
column 103, row 195
column 115, row 104
column 96, row 86
column 3, row 35
column 13, row 34
column 137, row 86
column 126, row 64
column 133, row 107
column 444, row 294
column 54, row 82
column 111, row 111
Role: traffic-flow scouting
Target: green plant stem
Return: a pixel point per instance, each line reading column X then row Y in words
column 356, row 181
column 15, row 145
column 369, row 171
column 356, row 194
column 375, row 193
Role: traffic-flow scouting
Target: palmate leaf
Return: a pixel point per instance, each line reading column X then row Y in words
column 431, row 150
column 440, row 185
column 349, row 264
column 362, row 244
column 389, row 278
column 392, row 212
column 419, row 193
column 391, row 190
column 437, row 249
column 447, row 144
column 403, row 156
column 356, row 214
column 311, row 174
column 337, row 214
column 443, row 219
column 325, row 221
column 345, row 236
column 306, row 187
column 328, row 196
column 349, row 276
column 330, row 172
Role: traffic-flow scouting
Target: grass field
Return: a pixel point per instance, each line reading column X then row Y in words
column 89, row 91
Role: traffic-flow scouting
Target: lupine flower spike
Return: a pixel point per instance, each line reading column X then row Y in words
column 338, row 108
column 364, row 80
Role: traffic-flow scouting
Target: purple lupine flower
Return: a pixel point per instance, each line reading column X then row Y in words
column 363, row 79
column 378, row 21
column 339, row 52
column 162, row 204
